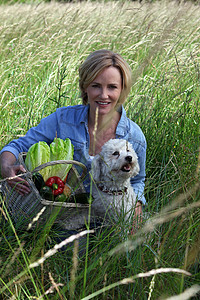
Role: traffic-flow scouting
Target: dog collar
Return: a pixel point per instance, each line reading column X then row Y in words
column 110, row 192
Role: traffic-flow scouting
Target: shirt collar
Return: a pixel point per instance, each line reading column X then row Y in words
column 121, row 127
column 84, row 114
column 123, row 124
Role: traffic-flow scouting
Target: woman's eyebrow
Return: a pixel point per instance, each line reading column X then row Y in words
column 110, row 83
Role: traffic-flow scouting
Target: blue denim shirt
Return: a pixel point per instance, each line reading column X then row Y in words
column 72, row 122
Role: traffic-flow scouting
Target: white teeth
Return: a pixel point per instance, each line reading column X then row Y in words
column 102, row 103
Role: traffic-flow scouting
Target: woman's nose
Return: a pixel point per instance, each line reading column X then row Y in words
column 104, row 93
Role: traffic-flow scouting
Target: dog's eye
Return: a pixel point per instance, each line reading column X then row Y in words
column 116, row 153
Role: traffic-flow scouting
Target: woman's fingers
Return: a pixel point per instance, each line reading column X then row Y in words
column 20, row 185
column 21, row 168
column 137, row 220
column 16, row 182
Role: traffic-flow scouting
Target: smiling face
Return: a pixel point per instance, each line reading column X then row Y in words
column 120, row 158
column 104, row 91
column 116, row 162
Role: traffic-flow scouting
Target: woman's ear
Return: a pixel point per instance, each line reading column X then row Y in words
column 85, row 97
column 85, row 90
column 96, row 168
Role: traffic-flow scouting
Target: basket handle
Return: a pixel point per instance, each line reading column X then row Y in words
column 55, row 162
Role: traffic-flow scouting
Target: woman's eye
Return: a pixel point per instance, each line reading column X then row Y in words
column 112, row 87
column 116, row 153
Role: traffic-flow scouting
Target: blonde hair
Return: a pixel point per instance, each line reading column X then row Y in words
column 95, row 63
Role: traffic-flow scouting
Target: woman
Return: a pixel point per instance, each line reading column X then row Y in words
column 105, row 82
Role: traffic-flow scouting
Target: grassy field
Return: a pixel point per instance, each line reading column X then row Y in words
column 42, row 46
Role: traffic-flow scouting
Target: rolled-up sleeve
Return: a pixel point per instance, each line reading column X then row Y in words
column 138, row 182
column 129, row 130
column 45, row 131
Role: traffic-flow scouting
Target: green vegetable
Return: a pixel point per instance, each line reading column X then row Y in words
column 37, row 155
column 61, row 150
column 46, row 193
column 38, row 181
column 41, row 153
column 61, row 198
column 56, row 184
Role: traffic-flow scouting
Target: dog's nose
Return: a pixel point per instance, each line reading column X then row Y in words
column 128, row 158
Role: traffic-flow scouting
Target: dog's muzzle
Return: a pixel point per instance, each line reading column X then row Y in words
column 128, row 158
column 127, row 166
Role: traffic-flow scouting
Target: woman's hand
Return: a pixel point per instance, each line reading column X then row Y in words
column 137, row 220
column 10, row 171
column 18, row 183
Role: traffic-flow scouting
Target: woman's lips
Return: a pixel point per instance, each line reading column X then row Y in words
column 102, row 103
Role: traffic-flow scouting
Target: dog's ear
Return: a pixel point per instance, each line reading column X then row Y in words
column 96, row 168
column 136, row 168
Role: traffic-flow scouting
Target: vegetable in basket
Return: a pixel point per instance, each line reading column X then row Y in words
column 55, row 190
column 41, row 153
column 37, row 155
column 56, row 184
column 61, row 198
column 46, row 193
column 61, row 150
column 38, row 180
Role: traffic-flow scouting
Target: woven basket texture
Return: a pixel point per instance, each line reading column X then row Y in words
column 23, row 209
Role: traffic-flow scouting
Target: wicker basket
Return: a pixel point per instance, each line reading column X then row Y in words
column 23, row 209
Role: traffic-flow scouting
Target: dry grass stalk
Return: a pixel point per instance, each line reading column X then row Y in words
column 35, row 219
column 166, row 215
column 13, row 177
column 50, row 291
column 183, row 197
column 151, row 288
column 3, row 213
column 132, row 279
column 12, row 298
column 42, row 268
column 162, row 270
column 150, row 226
column 194, row 252
column 16, row 253
column 95, row 129
column 56, row 285
column 59, row 246
column 74, row 269
column 198, row 165
column 129, row 244
column 187, row 294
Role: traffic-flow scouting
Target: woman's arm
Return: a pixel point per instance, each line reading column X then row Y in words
column 45, row 131
column 9, row 169
column 138, row 182
column 137, row 219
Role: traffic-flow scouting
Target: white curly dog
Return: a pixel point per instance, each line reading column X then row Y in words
column 112, row 169
column 114, row 198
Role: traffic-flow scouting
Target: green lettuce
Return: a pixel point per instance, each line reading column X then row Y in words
column 37, row 155
column 41, row 153
column 61, row 150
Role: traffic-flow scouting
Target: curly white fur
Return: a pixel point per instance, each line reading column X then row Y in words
column 113, row 194
column 111, row 171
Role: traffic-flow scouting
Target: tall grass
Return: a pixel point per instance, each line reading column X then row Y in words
column 41, row 48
